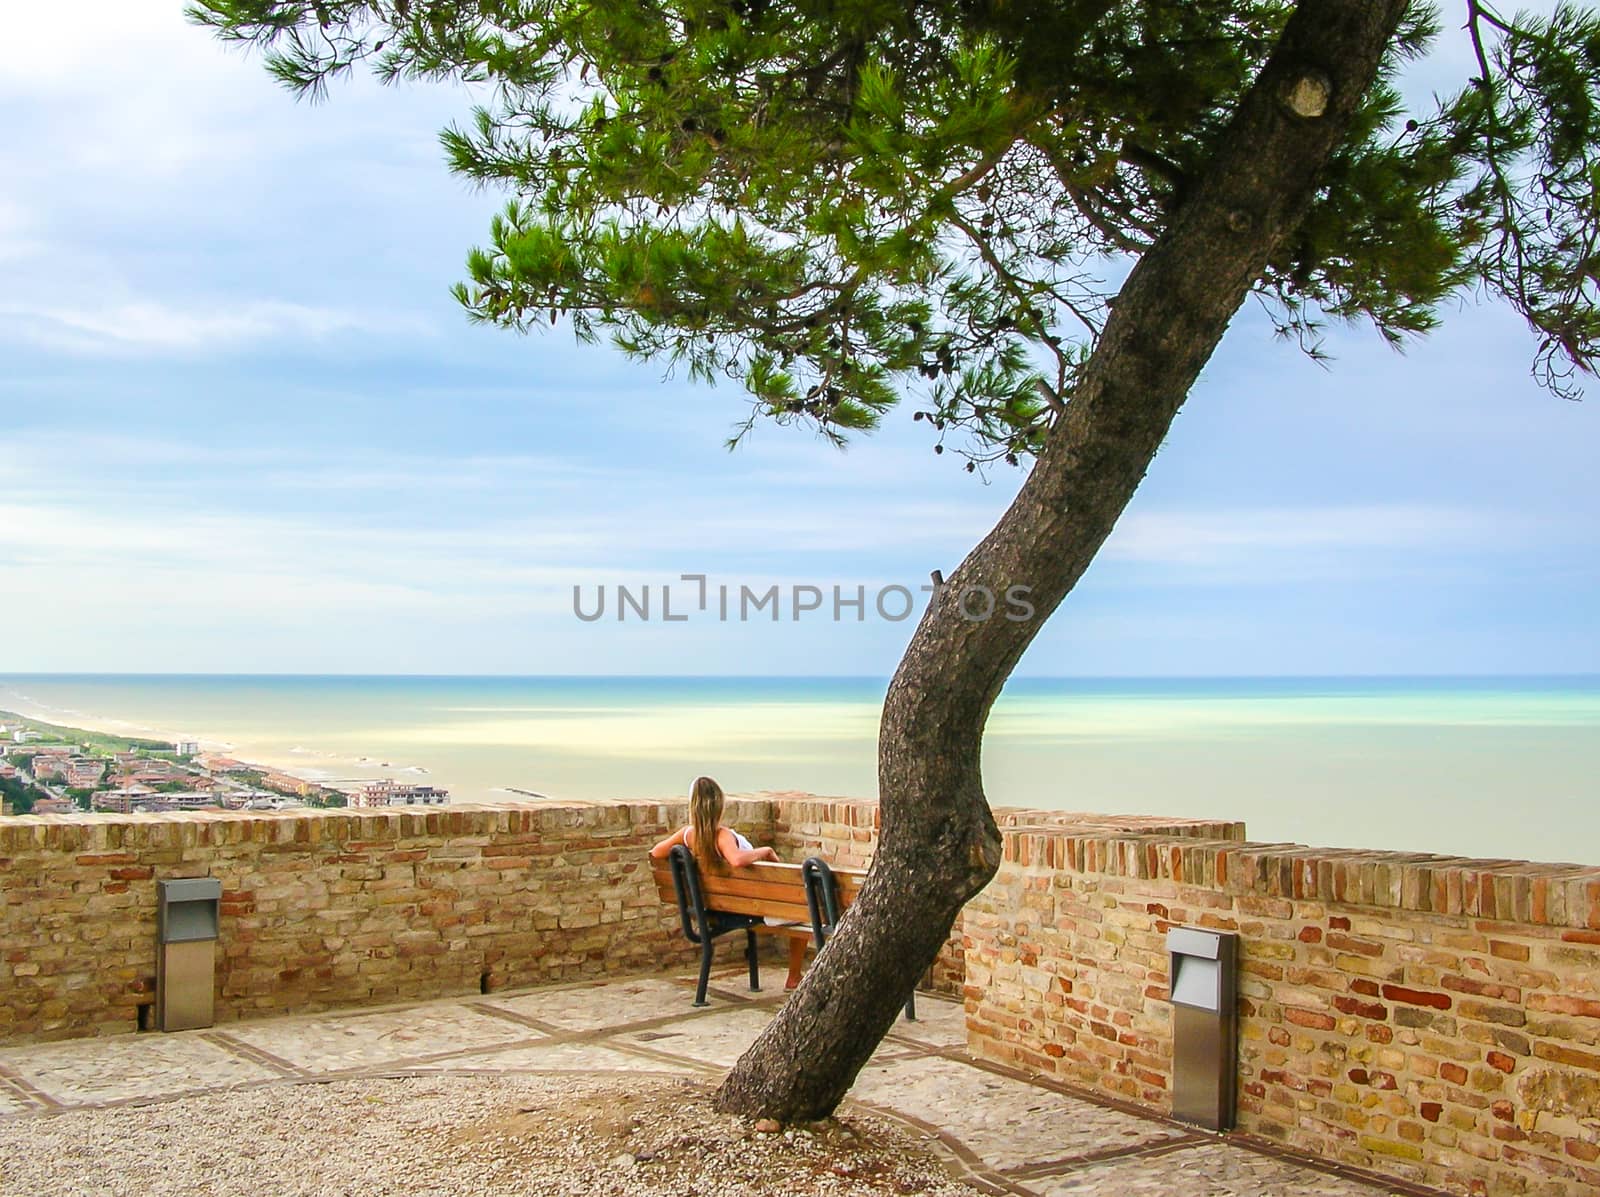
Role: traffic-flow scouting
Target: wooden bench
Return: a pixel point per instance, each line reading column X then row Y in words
column 808, row 898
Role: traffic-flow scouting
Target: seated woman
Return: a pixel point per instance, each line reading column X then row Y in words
column 712, row 843
column 706, row 837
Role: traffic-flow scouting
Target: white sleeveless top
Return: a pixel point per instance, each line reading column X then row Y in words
column 744, row 844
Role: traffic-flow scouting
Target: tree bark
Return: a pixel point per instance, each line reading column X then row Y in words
column 939, row 844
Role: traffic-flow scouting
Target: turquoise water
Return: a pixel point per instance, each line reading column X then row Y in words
column 1498, row 767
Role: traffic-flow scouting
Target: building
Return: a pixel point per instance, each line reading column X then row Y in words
column 388, row 792
column 192, row 800
column 121, row 801
column 222, row 764
column 268, row 801
column 84, row 773
column 287, row 783
column 187, row 747
column 55, row 806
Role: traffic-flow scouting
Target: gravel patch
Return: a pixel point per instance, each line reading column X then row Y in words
column 443, row 1136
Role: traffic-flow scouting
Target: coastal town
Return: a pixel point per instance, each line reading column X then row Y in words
column 47, row 769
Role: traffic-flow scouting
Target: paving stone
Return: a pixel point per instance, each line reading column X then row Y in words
column 12, row 1103
column 717, row 1038
column 594, row 1007
column 335, row 1044
column 85, row 1071
column 1010, row 1125
column 1005, row 1122
column 1204, row 1170
column 895, row 1049
column 559, row 1057
column 940, row 1023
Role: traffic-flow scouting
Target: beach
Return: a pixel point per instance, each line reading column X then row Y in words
column 1499, row 767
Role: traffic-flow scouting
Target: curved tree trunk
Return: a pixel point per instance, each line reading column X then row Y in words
column 939, row 844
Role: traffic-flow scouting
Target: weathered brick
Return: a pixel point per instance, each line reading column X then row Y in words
column 1510, row 1016
column 1316, row 1019
column 1561, row 1003
column 1481, row 987
column 1387, row 1147
column 1569, row 1056
column 1349, row 943
column 1417, row 997
column 1512, row 1041
column 1360, row 1009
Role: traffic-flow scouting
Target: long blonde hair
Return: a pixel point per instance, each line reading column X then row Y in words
column 705, row 818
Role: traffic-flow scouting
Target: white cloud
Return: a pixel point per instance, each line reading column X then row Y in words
column 153, row 326
column 108, row 42
column 1220, row 538
column 128, row 89
column 18, row 238
column 634, row 516
column 140, row 147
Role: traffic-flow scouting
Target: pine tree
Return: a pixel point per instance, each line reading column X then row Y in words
column 849, row 204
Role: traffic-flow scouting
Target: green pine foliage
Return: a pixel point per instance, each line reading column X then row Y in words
column 20, row 796
column 844, row 203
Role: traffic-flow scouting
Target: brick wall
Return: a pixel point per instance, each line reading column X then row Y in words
column 324, row 909
column 333, row 908
column 845, row 831
column 1435, row 1019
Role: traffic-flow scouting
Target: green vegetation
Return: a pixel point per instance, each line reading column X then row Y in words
column 19, row 795
column 90, row 741
column 843, row 205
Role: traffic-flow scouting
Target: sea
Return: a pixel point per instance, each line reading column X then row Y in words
column 1493, row 767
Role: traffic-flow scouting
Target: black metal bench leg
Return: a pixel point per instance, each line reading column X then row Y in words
column 706, row 948
column 911, row 1007
column 750, row 955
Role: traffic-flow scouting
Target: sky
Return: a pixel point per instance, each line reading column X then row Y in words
column 247, row 429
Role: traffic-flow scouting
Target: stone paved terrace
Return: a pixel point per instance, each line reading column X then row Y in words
column 997, row 1129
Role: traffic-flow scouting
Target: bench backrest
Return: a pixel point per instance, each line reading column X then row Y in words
column 766, row 889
